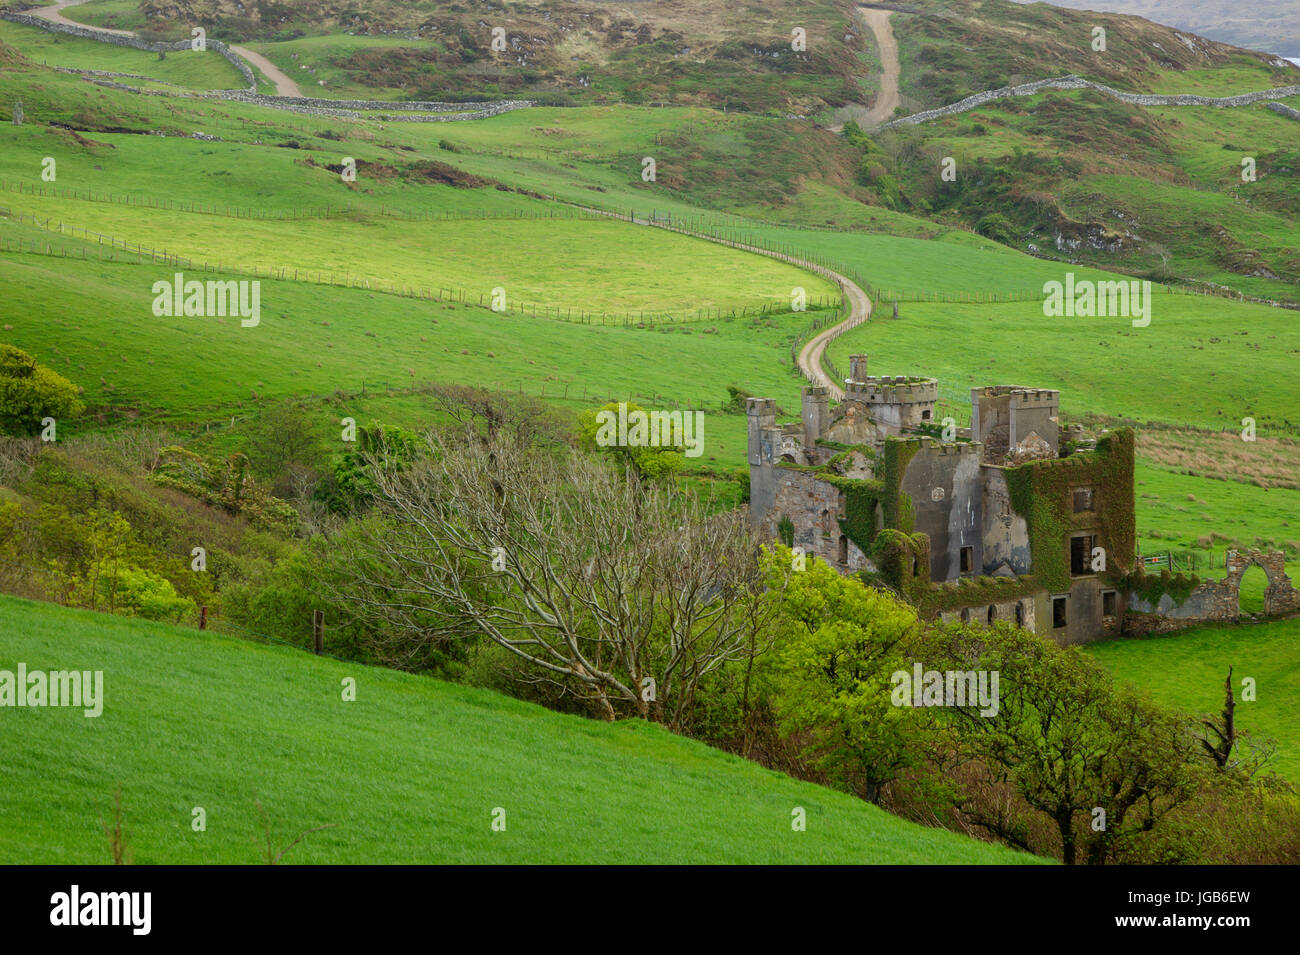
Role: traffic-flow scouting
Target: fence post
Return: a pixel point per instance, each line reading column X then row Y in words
column 318, row 628
column 203, row 618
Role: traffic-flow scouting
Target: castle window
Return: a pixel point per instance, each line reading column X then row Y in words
column 826, row 523
column 844, row 549
column 1081, row 554
column 1108, row 603
column 967, row 559
column 1020, row 613
column 1058, row 612
column 965, row 615
column 925, row 416
column 993, row 613
column 916, row 567
column 1084, row 500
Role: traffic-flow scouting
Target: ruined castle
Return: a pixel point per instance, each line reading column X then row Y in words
column 1005, row 520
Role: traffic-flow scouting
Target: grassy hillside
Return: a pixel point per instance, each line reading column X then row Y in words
column 409, row 772
column 1187, row 670
column 201, row 71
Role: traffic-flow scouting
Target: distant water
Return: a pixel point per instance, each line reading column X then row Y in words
column 1294, row 59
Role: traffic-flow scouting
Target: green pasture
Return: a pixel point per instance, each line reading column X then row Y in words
column 93, row 322
column 598, row 265
column 1186, row 669
column 1203, row 361
column 411, row 771
column 200, row 71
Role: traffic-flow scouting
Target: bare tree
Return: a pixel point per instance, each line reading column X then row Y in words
column 625, row 593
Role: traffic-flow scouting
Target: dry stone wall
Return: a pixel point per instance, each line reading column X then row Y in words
column 1073, row 82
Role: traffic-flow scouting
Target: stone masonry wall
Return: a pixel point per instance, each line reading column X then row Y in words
column 1217, row 600
column 1073, row 82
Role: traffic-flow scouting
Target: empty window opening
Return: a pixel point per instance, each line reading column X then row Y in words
column 965, row 615
column 1108, row 603
column 844, row 549
column 916, row 567
column 826, row 523
column 1081, row 554
column 993, row 613
column 1020, row 614
column 925, row 416
column 967, row 559
column 1058, row 612
column 1083, row 500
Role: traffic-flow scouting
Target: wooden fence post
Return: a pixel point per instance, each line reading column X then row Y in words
column 318, row 626
column 203, row 618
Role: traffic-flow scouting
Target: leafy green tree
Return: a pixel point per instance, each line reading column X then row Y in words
column 650, row 463
column 1104, row 765
column 30, row 392
column 838, row 644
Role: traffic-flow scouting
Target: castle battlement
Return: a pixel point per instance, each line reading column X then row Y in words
column 972, row 448
column 893, row 391
column 1023, row 397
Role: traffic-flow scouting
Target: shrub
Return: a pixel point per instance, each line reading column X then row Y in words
column 30, row 392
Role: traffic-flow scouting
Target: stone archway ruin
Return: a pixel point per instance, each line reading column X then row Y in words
column 1281, row 595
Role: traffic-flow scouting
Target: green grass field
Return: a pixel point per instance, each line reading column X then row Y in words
column 319, row 339
column 409, row 772
column 1202, row 361
column 1187, row 669
column 584, row 265
column 200, row 71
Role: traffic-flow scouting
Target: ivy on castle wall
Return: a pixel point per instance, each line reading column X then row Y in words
column 896, row 505
column 1040, row 492
column 894, row 555
column 1153, row 588
column 975, row 591
column 860, row 499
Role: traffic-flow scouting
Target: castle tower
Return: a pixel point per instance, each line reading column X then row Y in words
column 761, row 419
column 1002, row 416
column 894, row 403
column 816, row 413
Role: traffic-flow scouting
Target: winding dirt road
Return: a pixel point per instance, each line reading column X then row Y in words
column 284, row 86
column 887, row 100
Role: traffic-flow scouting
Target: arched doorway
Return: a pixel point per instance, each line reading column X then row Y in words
column 1252, row 589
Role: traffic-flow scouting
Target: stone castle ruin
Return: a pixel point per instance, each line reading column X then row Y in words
column 1005, row 520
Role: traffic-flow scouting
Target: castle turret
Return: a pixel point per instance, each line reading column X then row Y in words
column 894, row 403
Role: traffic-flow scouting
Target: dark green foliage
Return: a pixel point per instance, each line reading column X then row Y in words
column 1153, row 588
column 377, row 445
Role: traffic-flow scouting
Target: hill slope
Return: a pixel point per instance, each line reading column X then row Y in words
column 409, row 773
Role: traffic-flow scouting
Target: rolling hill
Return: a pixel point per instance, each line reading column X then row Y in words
column 409, row 772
